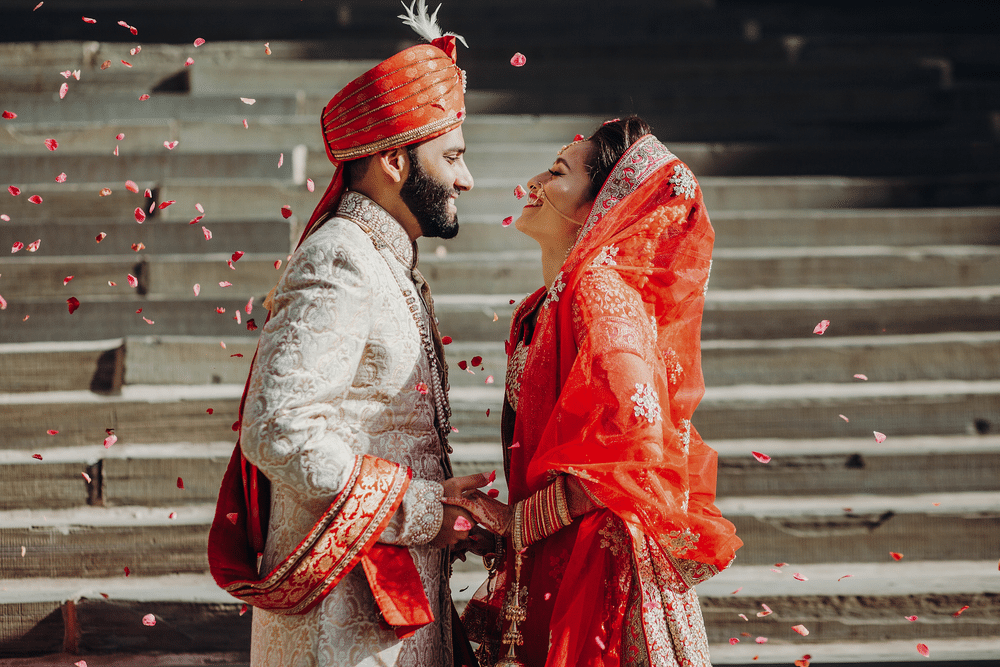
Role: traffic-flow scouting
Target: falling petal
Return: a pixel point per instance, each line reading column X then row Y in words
column 233, row 517
column 845, row 577
column 16, row 247
column 248, row 100
column 126, row 63
column 140, row 215
column 446, row 340
column 959, row 612
column 277, row 264
column 72, row 303
column 801, row 629
column 207, row 233
column 800, row 577
column 733, row 641
column 52, row 432
column 821, row 327
column 170, row 145
column 244, row 608
column 37, row 456
column 86, row 477
column 519, row 192
column 249, row 306
column 895, row 555
column 493, row 493
column 489, row 379
column 35, row 199
column 110, row 440
column 923, row 650
column 220, row 311
column 33, row 246
column 767, row 611
column 196, row 220
column 199, row 208
column 267, row 48
column 165, row 204
column 506, row 222
column 737, row 591
column 198, row 42
column 763, row 458
column 761, row 640
column 180, row 483
column 9, row 114
column 127, row 571
column 172, row 515
column 143, row 98
column 132, row 186
column 66, row 280
column 138, row 246
column 879, row 437
column 518, row 60
column 844, row 418
column 281, row 160
column 461, row 523
column 61, row 178
column 578, row 137
column 189, row 62
column 225, row 283
column 13, row 190
column 197, row 289
column 911, row 618
column 63, row 89
column 149, row 620
column 237, row 255
column 861, row 376
column 51, row 144
column 286, row 211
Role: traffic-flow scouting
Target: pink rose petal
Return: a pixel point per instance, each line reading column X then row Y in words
column 879, row 437
column 249, row 307
column 518, row 60
column 248, row 100
column 198, row 42
column 17, row 245
column 33, row 246
column 51, row 144
column 281, row 160
column 140, row 215
column 801, row 629
column 821, row 327
column 860, row 376
column 844, row 418
column 197, row 289
column 959, row 612
column 310, row 186
column 61, row 178
column 63, row 89
column 911, row 619
column 189, row 62
column 35, row 199
column 733, row 641
column 225, row 283
column 89, row 20
column 149, row 620
column 199, row 208
column 923, row 650
column 763, row 458
column 110, row 440
column 461, row 523
column 800, row 577
column 507, row 221
column 132, row 281
column 519, row 192
column 207, row 232
column 761, row 640
column 744, row 617
column 170, row 145
column 143, row 98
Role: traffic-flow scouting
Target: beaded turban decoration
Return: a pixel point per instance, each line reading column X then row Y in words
column 416, row 95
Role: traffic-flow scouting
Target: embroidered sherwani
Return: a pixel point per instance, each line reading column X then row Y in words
column 345, row 369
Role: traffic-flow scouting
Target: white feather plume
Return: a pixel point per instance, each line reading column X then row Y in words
column 425, row 24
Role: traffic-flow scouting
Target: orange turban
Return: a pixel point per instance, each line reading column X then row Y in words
column 416, row 95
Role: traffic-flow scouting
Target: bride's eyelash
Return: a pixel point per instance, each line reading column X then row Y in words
column 555, row 173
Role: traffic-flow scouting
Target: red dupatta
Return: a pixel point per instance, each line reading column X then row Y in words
column 611, row 381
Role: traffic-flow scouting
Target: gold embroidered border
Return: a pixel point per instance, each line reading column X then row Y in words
column 437, row 82
column 333, row 545
column 400, row 139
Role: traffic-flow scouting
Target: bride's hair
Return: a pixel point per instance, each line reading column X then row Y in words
column 610, row 141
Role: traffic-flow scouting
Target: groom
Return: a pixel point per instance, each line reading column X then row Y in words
column 330, row 521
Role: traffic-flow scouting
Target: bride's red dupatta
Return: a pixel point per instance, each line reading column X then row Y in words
column 610, row 384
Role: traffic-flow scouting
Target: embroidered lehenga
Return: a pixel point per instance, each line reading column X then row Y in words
column 603, row 378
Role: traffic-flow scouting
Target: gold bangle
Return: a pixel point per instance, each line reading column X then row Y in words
column 562, row 505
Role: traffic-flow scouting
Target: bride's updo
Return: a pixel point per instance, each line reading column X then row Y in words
column 610, row 142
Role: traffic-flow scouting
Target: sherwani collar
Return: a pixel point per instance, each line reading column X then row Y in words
column 384, row 229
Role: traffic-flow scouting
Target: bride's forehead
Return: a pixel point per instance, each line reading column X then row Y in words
column 576, row 152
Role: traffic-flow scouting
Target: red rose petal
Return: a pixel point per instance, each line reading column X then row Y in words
column 911, row 618
column 251, row 325
column 51, row 144
column 578, row 137
column 89, row 20
column 66, row 280
column 180, row 483
column 61, row 178
column 73, row 303
column 493, row 493
column 923, row 650
column 37, row 456
column 35, row 199
column 127, row 571
column 110, row 440
column 9, row 114
column 518, row 60
column 140, row 215
column 52, row 432
column 763, row 458
column 821, row 328
column 17, row 245
column 143, row 98
column 237, row 254
column 198, row 42
column 210, row 411
column 733, row 641
column 506, row 222
column 138, row 246
column 464, row 365
column 13, row 190
column 233, row 517
column 286, row 211
column 207, row 233
column 895, row 555
column 126, row 63
column 519, row 192
column 959, row 612
column 196, row 220
column 165, row 204
column 446, row 340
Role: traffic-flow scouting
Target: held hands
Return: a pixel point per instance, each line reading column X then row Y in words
column 491, row 513
column 457, row 520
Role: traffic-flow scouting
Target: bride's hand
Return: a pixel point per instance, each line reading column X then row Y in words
column 492, row 514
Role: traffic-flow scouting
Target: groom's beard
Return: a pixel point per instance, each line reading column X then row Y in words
column 428, row 199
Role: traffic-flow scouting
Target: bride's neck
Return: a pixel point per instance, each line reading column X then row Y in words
column 553, row 257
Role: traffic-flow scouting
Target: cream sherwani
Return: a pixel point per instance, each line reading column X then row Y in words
column 342, row 371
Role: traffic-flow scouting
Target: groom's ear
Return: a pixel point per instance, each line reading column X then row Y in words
column 395, row 164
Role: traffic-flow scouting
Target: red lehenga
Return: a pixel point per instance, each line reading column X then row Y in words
column 603, row 379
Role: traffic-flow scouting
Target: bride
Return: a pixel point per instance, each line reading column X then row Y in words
column 611, row 519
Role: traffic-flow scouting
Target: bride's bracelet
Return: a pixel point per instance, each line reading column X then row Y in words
column 541, row 515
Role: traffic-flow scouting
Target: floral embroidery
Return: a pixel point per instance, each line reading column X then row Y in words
column 607, row 256
column 683, row 182
column 680, row 542
column 647, row 403
column 515, row 369
column 558, row 285
column 686, row 434
column 674, row 369
column 612, row 538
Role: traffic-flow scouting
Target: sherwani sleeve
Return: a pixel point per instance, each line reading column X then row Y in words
column 294, row 429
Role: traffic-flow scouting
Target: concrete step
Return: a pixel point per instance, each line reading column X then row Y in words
column 946, row 407
column 142, row 156
column 781, row 228
column 179, row 413
column 755, row 314
column 160, row 275
column 848, row 620
column 101, row 541
column 135, row 474
column 74, row 237
column 823, row 266
column 758, row 314
column 150, row 360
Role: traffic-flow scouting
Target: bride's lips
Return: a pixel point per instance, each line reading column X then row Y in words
column 533, row 201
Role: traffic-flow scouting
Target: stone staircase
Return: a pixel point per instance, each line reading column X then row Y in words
column 867, row 196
